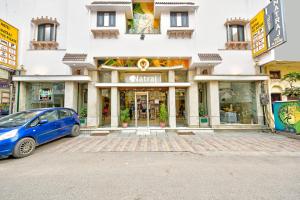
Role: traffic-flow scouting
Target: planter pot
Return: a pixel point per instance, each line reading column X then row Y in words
column 124, row 125
column 204, row 122
column 162, row 124
column 83, row 121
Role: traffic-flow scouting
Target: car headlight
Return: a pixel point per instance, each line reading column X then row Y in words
column 9, row 134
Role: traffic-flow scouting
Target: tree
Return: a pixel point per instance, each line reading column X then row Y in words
column 292, row 78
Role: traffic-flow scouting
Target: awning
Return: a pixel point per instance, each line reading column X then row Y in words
column 207, row 60
column 231, row 78
column 77, row 60
column 52, row 78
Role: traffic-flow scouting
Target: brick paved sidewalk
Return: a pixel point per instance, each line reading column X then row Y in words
column 215, row 144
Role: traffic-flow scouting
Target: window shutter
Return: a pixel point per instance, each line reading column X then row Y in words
column 112, row 19
column 173, row 17
column 100, row 19
column 185, row 19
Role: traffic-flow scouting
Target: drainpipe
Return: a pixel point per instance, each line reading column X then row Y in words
column 18, row 96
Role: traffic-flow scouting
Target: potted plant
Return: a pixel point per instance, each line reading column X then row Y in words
column 83, row 116
column 124, row 117
column 203, row 117
column 163, row 115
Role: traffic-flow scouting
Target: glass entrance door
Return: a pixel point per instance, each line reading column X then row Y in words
column 141, row 109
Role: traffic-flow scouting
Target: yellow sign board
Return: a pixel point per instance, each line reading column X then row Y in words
column 258, row 34
column 8, row 45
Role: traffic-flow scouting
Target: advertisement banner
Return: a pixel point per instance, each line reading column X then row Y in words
column 258, row 34
column 8, row 45
column 268, row 28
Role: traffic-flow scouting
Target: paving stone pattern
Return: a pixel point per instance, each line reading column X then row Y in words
column 202, row 143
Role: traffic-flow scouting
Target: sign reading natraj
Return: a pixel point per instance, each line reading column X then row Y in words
column 8, row 45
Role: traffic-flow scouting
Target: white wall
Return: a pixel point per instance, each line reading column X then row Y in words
column 74, row 35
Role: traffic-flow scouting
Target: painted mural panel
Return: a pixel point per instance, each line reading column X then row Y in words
column 152, row 62
column 143, row 19
column 287, row 116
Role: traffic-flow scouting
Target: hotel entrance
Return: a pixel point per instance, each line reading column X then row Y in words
column 143, row 106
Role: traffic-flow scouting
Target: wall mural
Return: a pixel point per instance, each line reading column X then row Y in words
column 143, row 19
column 152, row 62
column 287, row 116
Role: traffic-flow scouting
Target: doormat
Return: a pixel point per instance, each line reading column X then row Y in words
column 99, row 134
column 185, row 133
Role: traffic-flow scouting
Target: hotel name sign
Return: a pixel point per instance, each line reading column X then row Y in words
column 142, row 78
column 268, row 28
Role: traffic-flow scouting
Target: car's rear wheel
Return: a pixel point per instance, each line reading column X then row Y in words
column 25, row 147
column 75, row 130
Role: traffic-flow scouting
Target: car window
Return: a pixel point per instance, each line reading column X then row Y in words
column 64, row 113
column 50, row 116
column 34, row 122
column 17, row 119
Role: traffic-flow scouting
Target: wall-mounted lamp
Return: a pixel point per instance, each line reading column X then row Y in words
column 142, row 36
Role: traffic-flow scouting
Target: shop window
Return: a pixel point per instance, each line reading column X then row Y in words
column 106, row 19
column 238, row 103
column 275, row 75
column 181, row 107
column 105, row 107
column 105, row 76
column 179, row 19
column 181, row 76
column 43, row 95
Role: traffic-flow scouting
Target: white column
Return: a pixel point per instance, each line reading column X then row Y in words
column 192, row 101
column 172, row 101
column 22, row 96
column 93, row 105
column 71, row 95
column 213, row 103
column 114, row 107
column 260, row 115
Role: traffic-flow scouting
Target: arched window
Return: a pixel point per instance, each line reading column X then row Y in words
column 46, row 32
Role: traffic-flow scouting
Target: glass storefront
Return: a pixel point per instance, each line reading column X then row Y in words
column 180, row 107
column 143, row 106
column 238, row 103
column 105, row 107
column 43, row 95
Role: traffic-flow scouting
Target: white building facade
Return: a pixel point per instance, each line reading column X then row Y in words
column 104, row 57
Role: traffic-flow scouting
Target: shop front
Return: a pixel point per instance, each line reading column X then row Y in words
column 145, row 90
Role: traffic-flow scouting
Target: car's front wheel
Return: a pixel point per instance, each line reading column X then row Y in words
column 75, row 130
column 25, row 147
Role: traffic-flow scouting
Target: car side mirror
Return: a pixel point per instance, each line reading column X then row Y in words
column 43, row 121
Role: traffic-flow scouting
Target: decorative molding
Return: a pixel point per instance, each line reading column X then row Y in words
column 236, row 21
column 180, row 33
column 105, row 32
column 44, row 45
column 237, row 45
column 44, row 20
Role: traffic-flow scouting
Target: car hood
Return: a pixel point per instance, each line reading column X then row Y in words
column 5, row 130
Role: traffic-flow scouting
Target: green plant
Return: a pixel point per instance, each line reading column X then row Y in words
column 292, row 78
column 124, row 115
column 202, row 110
column 163, row 113
column 83, row 112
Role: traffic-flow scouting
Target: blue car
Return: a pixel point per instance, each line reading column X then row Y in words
column 21, row 132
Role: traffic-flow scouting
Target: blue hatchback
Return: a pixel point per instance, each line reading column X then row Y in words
column 21, row 132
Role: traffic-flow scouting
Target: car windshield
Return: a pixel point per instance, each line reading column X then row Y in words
column 17, row 119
